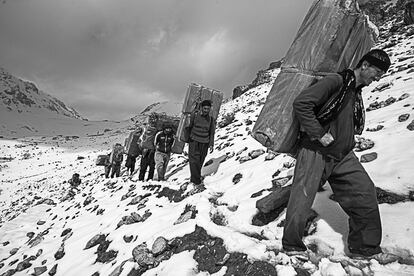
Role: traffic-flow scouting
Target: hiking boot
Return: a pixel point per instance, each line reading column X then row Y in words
column 261, row 219
column 381, row 258
column 302, row 255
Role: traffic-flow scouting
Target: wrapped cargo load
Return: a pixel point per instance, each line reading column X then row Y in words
column 192, row 102
column 116, row 153
column 102, row 160
column 333, row 36
column 154, row 123
column 132, row 143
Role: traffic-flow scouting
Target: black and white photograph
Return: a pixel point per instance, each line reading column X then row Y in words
column 197, row 138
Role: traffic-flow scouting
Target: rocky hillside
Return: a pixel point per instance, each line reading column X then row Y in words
column 391, row 17
column 123, row 226
column 20, row 96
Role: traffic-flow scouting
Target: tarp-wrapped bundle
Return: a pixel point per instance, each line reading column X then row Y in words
column 116, row 153
column 132, row 143
column 155, row 122
column 102, row 160
column 192, row 102
column 333, row 36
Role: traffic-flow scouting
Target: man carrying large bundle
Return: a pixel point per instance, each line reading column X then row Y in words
column 133, row 149
column 115, row 160
column 163, row 143
column 330, row 112
column 201, row 130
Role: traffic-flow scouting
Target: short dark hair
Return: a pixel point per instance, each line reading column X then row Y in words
column 206, row 103
column 378, row 58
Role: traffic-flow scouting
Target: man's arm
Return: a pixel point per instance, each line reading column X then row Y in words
column 156, row 138
column 212, row 132
column 306, row 104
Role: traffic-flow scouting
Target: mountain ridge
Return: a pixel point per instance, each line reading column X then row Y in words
column 21, row 96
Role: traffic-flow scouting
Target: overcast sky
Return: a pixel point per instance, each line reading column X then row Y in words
column 109, row 59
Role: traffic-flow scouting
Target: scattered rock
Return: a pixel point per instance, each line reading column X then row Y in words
column 410, row 127
column 106, row 257
column 41, row 222
column 128, row 238
column 411, row 195
column 363, row 143
column 382, row 87
column 60, row 253
column 256, row 153
column 23, row 265
column 172, row 195
column 376, row 105
column 237, row 177
column 53, row 270
column 270, row 156
column 39, row 270
column 88, row 200
column 46, row 201
column 241, row 151
column 288, row 165
column 279, row 182
column 403, row 117
column 97, row 239
column 135, row 200
column 37, row 240
column 378, row 127
column 9, row 272
column 142, row 255
column 14, row 251
column 189, row 212
column 403, row 96
column 245, row 159
column 159, row 246
column 369, row 157
column 39, row 252
column 384, row 196
column 218, row 218
column 66, row 231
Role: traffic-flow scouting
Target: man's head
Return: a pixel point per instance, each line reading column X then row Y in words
column 168, row 129
column 139, row 129
column 205, row 107
column 372, row 66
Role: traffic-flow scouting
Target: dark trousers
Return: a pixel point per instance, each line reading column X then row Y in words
column 353, row 190
column 115, row 168
column 130, row 163
column 197, row 153
column 147, row 160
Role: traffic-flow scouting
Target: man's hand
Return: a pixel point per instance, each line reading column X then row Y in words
column 326, row 140
column 211, row 149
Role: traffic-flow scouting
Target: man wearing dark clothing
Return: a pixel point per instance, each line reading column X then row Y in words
column 330, row 112
column 134, row 150
column 147, row 160
column 201, row 131
column 115, row 160
column 163, row 143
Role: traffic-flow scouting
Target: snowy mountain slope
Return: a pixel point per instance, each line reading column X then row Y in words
column 24, row 108
column 113, row 227
column 123, row 213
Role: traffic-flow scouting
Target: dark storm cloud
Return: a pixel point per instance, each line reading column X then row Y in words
column 110, row 59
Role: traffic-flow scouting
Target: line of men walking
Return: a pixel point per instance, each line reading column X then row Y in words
column 201, row 139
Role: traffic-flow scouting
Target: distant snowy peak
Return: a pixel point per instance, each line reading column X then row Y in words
column 171, row 108
column 17, row 95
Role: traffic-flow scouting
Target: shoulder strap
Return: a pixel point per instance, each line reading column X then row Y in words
column 335, row 104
